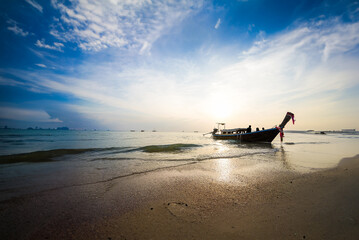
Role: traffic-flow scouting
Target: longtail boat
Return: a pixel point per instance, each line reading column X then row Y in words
column 246, row 135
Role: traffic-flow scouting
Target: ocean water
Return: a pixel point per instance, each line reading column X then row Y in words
column 32, row 161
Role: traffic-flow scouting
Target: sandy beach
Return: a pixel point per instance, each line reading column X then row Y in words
column 188, row 202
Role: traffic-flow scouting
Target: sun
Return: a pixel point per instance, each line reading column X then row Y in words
column 220, row 109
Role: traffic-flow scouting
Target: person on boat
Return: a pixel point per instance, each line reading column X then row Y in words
column 249, row 129
column 262, row 128
column 257, row 129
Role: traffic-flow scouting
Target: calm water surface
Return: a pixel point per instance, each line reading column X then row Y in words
column 71, row 158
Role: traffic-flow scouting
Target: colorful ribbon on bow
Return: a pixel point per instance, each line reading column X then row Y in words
column 281, row 133
column 291, row 115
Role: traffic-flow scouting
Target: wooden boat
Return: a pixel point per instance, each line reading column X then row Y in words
column 244, row 135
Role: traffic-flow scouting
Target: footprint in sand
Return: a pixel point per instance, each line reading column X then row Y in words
column 179, row 209
column 184, row 212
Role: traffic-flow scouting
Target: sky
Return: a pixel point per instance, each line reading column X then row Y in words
column 179, row 65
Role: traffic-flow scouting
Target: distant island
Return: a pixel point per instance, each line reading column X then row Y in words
column 62, row 128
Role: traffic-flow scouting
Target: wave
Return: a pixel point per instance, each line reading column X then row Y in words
column 18, row 141
column 107, row 154
column 11, row 141
column 49, row 155
column 190, row 159
column 116, row 159
column 40, row 156
column 26, row 135
column 177, row 147
column 296, row 143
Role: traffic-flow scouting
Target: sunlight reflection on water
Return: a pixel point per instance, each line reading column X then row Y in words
column 224, row 169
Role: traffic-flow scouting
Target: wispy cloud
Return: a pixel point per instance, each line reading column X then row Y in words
column 97, row 25
column 57, row 46
column 10, row 82
column 26, row 115
column 306, row 62
column 295, row 69
column 16, row 29
column 310, row 65
column 218, row 23
column 41, row 65
column 35, row 5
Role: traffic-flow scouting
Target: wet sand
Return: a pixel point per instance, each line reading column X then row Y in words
column 189, row 202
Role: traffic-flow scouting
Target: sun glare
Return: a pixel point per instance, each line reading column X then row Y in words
column 220, row 109
column 222, row 112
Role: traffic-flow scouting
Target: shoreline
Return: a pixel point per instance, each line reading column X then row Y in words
column 320, row 205
column 187, row 203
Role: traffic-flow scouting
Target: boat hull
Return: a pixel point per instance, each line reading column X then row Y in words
column 267, row 135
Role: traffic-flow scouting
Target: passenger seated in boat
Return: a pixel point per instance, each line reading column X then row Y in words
column 257, row 129
column 249, row 129
column 262, row 128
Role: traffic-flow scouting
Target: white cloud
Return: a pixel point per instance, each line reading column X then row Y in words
column 16, row 29
column 96, row 25
column 304, row 70
column 35, row 5
column 218, row 23
column 41, row 65
column 26, row 115
column 10, row 82
column 145, row 48
column 57, row 46
column 296, row 69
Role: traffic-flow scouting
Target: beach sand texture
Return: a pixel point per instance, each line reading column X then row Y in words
column 187, row 203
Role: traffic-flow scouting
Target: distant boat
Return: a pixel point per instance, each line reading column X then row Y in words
column 132, row 130
column 246, row 135
column 348, row 130
column 142, row 130
column 154, row 130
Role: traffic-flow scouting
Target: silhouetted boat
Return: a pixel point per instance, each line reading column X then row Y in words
column 242, row 134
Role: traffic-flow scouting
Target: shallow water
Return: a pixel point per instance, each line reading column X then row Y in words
column 32, row 161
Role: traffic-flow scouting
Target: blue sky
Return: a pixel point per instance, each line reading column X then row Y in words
column 178, row 65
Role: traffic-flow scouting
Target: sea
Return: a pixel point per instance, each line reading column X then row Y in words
column 32, row 161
